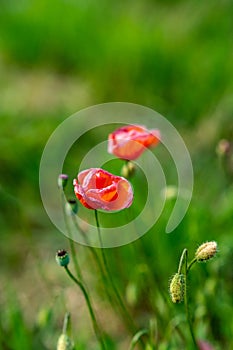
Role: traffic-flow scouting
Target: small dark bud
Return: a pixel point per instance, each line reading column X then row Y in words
column 62, row 181
column 62, row 257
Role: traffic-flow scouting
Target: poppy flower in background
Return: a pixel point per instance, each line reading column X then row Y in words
column 129, row 142
column 204, row 345
column 98, row 189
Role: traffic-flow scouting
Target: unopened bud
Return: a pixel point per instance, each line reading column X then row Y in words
column 128, row 170
column 62, row 181
column 71, row 207
column 62, row 257
column 177, row 287
column 64, row 343
column 206, row 251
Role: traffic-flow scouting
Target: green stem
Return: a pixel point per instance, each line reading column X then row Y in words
column 154, row 279
column 191, row 264
column 113, row 286
column 90, row 308
column 188, row 317
column 137, row 338
column 97, row 260
column 92, row 250
column 71, row 242
column 66, row 323
column 183, row 259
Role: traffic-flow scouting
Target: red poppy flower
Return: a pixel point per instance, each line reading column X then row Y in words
column 129, row 142
column 98, row 189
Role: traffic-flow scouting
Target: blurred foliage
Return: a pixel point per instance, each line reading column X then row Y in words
column 173, row 56
column 59, row 56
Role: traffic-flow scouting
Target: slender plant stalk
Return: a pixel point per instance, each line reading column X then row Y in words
column 90, row 308
column 154, row 279
column 153, row 276
column 92, row 250
column 98, row 262
column 137, row 337
column 66, row 322
column 71, row 242
column 110, row 279
column 184, row 259
column 191, row 264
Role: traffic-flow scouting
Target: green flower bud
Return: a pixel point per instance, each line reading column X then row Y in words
column 64, row 343
column 62, row 257
column 206, row 251
column 177, row 288
column 62, row 181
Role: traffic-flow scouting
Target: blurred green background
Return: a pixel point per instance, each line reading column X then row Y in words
column 60, row 56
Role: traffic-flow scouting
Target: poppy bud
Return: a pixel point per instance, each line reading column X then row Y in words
column 62, row 181
column 177, row 287
column 64, row 343
column 62, row 257
column 206, row 251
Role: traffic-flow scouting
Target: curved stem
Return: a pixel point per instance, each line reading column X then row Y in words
column 90, row 308
column 191, row 264
column 137, row 337
column 188, row 317
column 183, row 259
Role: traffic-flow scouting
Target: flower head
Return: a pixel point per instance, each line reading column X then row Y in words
column 206, row 251
column 177, row 288
column 98, row 189
column 62, row 257
column 64, row 343
column 129, row 142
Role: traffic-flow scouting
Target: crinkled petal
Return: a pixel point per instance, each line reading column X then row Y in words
column 100, row 189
